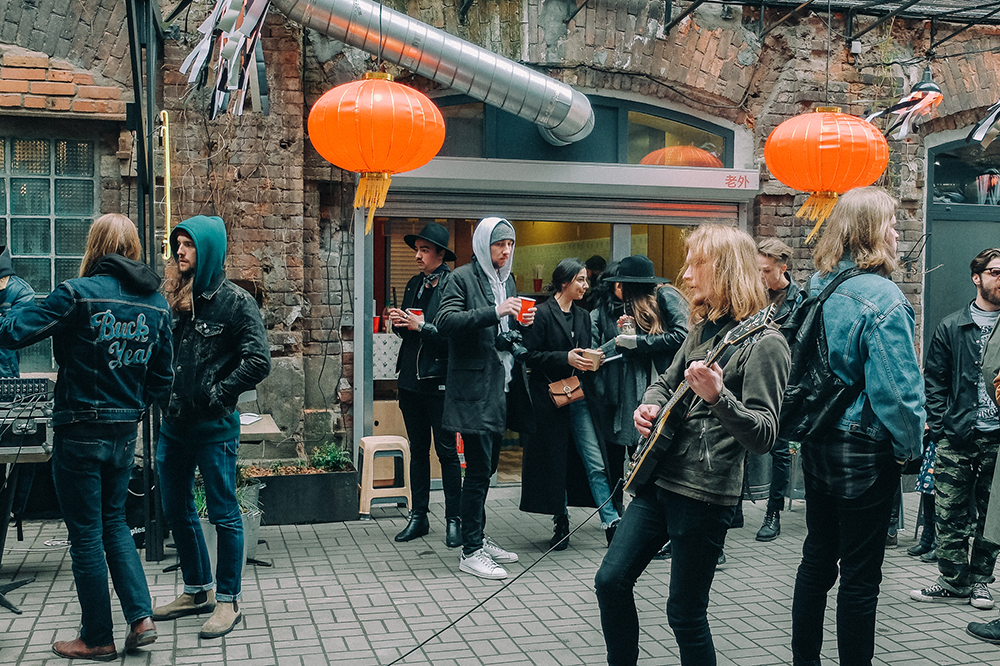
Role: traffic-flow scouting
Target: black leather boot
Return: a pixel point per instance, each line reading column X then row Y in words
column 453, row 532
column 417, row 527
column 560, row 533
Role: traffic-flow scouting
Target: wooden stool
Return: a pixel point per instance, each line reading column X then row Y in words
column 378, row 446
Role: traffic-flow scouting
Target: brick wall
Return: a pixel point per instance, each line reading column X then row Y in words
column 34, row 83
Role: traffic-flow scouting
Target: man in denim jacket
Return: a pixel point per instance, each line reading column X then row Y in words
column 220, row 351
column 852, row 474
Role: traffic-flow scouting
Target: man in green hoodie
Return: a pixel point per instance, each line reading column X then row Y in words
column 220, row 351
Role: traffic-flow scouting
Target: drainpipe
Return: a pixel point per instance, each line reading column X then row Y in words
column 563, row 115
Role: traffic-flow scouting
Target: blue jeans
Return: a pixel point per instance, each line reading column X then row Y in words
column 91, row 482
column 175, row 463
column 697, row 531
column 851, row 533
column 587, row 446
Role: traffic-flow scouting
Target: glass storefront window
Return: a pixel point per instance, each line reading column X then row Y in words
column 464, row 136
column 969, row 174
column 647, row 133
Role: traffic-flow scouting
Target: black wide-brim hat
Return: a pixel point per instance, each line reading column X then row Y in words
column 637, row 268
column 432, row 233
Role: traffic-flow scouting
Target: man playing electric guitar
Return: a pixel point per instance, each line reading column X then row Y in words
column 696, row 483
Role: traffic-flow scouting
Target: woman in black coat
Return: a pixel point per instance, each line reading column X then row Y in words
column 564, row 461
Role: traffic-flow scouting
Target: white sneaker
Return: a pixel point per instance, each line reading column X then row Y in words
column 496, row 552
column 482, row 565
column 981, row 597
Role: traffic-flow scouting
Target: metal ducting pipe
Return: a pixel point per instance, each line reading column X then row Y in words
column 563, row 115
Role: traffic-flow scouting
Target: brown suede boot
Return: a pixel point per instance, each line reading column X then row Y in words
column 142, row 632
column 225, row 618
column 186, row 604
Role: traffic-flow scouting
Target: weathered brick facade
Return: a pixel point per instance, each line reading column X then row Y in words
column 289, row 212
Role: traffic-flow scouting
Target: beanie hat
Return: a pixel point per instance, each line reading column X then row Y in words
column 503, row 231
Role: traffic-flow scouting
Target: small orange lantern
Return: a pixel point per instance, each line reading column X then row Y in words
column 688, row 156
column 826, row 153
column 376, row 127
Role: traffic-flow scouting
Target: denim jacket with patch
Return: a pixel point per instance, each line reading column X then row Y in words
column 112, row 347
column 870, row 333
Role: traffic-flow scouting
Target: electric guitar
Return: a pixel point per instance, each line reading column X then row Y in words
column 652, row 448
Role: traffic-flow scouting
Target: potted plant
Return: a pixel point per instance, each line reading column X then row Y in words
column 322, row 489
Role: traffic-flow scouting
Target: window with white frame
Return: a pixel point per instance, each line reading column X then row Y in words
column 48, row 199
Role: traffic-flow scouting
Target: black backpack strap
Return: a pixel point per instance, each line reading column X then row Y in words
column 842, row 277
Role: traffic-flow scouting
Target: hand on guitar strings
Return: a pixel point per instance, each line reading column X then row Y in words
column 643, row 418
column 705, row 381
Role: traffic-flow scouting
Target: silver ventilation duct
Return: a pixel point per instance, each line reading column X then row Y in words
column 563, row 115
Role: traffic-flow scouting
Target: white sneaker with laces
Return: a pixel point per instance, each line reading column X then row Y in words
column 496, row 552
column 482, row 565
column 981, row 597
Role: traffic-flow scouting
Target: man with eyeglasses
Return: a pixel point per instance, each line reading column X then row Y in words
column 962, row 419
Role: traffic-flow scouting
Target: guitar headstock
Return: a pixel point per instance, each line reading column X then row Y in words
column 749, row 326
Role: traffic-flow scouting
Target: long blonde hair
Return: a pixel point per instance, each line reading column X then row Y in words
column 110, row 234
column 736, row 288
column 859, row 225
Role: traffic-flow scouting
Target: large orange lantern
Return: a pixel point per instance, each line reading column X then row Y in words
column 688, row 156
column 376, row 127
column 826, row 153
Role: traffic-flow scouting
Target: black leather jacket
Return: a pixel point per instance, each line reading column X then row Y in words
column 219, row 353
column 952, row 369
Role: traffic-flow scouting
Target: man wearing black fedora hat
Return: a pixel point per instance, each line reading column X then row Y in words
column 422, row 366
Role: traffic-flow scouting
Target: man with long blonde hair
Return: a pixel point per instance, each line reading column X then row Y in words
column 694, row 489
column 852, row 472
column 110, row 334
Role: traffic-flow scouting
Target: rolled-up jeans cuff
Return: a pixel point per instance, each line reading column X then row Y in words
column 195, row 589
column 228, row 598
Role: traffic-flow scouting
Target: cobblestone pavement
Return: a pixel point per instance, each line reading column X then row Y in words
column 346, row 593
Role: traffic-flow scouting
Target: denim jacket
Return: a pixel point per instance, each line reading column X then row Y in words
column 112, row 344
column 870, row 333
column 219, row 353
column 17, row 293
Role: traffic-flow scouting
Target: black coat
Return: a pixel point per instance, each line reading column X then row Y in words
column 422, row 363
column 474, row 400
column 551, row 467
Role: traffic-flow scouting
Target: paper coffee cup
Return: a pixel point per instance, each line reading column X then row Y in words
column 594, row 357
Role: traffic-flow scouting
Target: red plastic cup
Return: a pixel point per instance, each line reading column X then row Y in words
column 416, row 312
column 526, row 304
column 538, row 284
column 377, row 324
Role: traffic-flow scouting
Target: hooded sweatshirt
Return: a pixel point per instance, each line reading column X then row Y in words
column 208, row 233
column 497, row 277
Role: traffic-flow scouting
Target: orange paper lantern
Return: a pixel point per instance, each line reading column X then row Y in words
column 376, row 127
column 688, row 156
column 826, row 153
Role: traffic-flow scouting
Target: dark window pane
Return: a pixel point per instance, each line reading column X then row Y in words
column 74, row 158
column 74, row 197
column 71, row 236
column 66, row 269
column 38, row 357
column 29, row 196
column 30, row 156
column 35, row 272
column 463, row 130
column 30, row 236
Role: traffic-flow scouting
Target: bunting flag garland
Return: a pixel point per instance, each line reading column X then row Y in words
column 986, row 129
column 920, row 102
column 232, row 30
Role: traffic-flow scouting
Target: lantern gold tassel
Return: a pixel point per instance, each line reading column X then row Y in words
column 372, row 190
column 816, row 209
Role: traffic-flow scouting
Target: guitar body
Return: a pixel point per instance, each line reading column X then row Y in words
column 649, row 453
